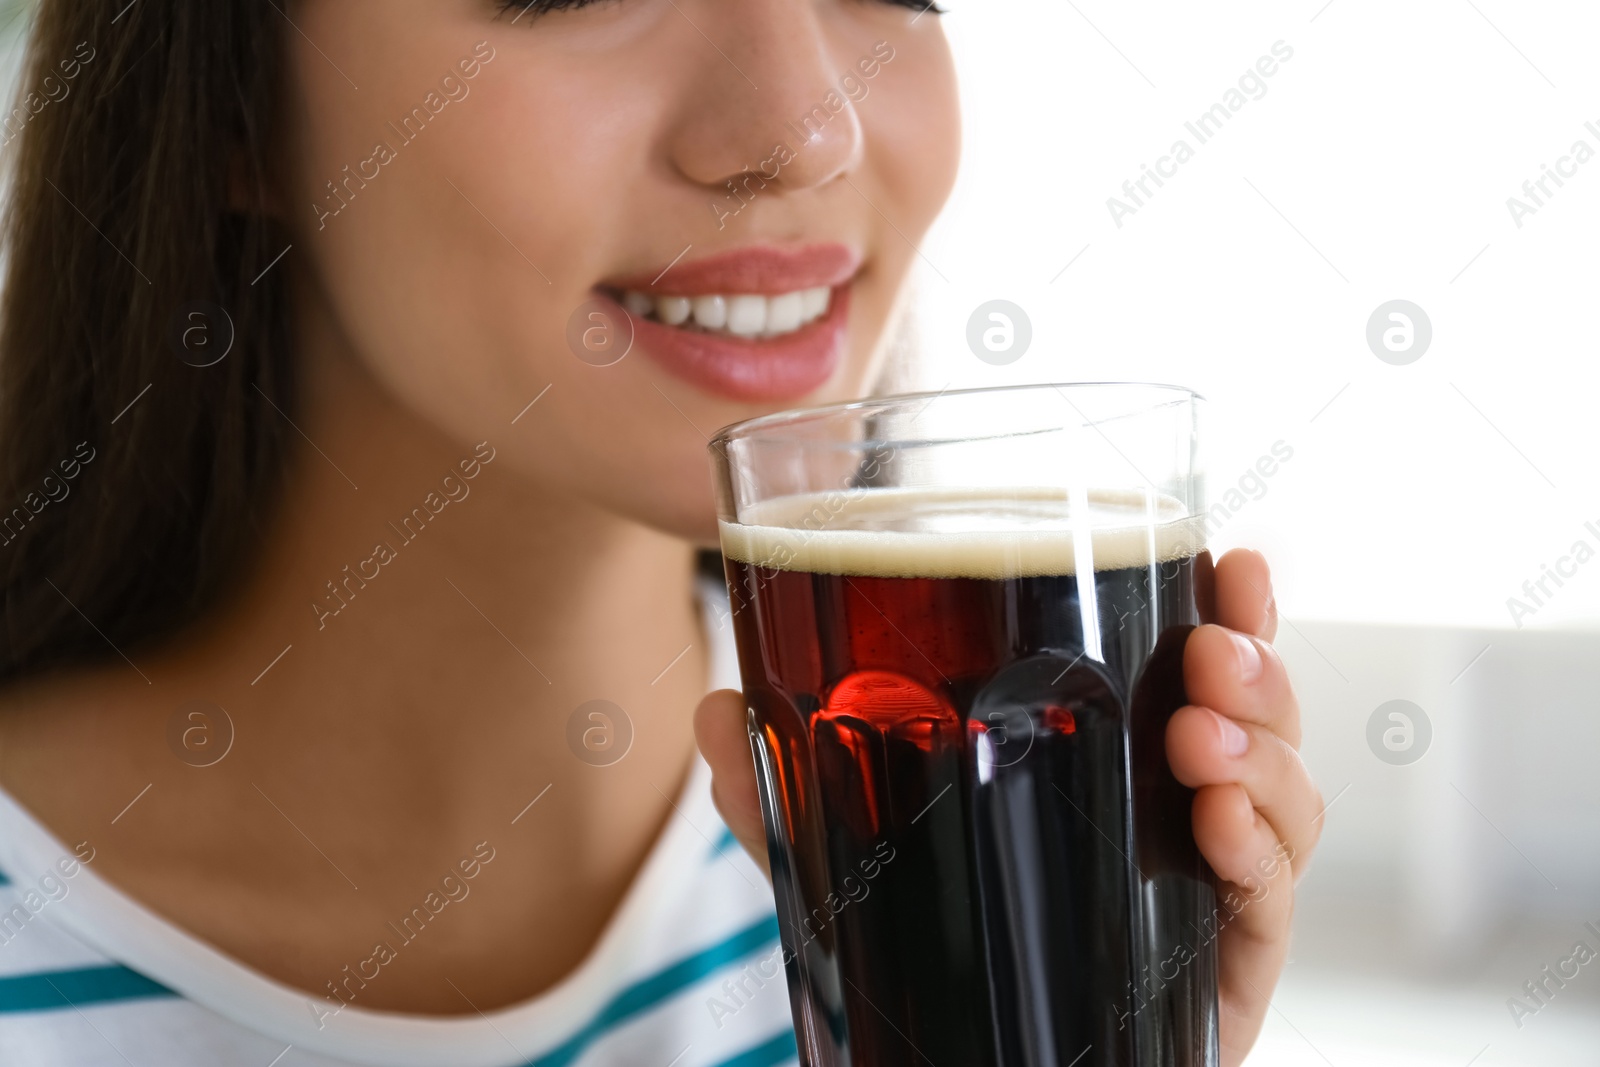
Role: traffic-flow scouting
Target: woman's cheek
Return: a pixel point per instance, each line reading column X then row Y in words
column 914, row 129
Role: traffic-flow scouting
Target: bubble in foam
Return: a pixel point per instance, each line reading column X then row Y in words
column 964, row 533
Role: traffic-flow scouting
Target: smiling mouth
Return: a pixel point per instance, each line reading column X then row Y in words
column 746, row 316
column 758, row 323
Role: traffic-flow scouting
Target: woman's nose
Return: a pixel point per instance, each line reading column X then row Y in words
column 770, row 105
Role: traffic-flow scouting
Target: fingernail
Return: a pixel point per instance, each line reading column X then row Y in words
column 1249, row 658
column 1235, row 742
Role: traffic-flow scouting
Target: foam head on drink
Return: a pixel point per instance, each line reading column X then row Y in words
column 962, row 533
column 959, row 699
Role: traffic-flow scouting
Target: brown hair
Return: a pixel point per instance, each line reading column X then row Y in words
column 133, row 484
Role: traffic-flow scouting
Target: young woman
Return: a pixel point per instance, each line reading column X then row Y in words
column 324, row 524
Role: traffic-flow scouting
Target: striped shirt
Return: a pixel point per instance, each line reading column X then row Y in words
column 687, row 973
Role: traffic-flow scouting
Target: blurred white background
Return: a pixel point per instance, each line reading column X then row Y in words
column 1420, row 497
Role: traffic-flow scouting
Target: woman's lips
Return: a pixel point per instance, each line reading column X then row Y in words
column 781, row 366
column 785, row 367
column 764, row 269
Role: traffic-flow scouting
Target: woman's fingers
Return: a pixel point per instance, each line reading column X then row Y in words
column 724, row 739
column 1243, row 592
column 1206, row 749
column 1256, row 810
column 1255, row 904
column 1242, row 677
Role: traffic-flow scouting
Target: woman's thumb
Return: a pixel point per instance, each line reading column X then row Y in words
column 724, row 739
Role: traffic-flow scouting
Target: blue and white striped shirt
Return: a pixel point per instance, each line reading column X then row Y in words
column 687, row 973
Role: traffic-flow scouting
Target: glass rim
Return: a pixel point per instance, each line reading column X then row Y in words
column 747, row 428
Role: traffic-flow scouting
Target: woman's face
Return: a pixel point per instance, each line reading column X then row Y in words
column 476, row 191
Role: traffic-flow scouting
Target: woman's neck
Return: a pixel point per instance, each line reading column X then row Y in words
column 400, row 674
column 439, row 614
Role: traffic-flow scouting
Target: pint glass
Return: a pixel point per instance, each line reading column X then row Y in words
column 960, row 620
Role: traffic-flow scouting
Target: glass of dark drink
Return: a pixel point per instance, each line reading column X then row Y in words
column 961, row 620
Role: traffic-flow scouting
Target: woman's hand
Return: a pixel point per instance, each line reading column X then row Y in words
column 1257, row 813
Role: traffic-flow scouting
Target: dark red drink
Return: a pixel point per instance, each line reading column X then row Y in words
column 979, row 853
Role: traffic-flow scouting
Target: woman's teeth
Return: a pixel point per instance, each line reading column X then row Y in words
column 745, row 315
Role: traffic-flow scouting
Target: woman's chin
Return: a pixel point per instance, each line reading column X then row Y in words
column 694, row 521
column 672, row 507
